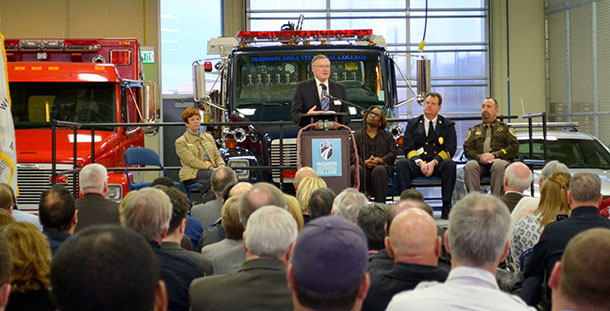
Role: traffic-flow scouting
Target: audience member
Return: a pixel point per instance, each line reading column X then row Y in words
column 259, row 195
column 240, row 188
column 327, row 266
column 553, row 201
column 227, row 190
column 307, row 186
column 210, row 211
column 415, row 246
column 529, row 203
column 228, row 254
column 477, row 239
column 580, row 281
column 295, row 210
column 372, row 220
column 58, row 215
column 584, row 195
column 94, row 208
column 177, row 225
column 31, row 258
column 5, row 272
column 320, row 203
column 260, row 283
column 517, row 178
column 106, row 267
column 348, row 204
column 6, row 218
column 411, row 194
column 301, row 174
column 15, row 212
column 148, row 212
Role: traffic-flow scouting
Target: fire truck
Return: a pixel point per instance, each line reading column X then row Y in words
column 259, row 71
column 82, row 81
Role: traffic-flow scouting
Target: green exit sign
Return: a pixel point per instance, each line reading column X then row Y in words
column 148, row 55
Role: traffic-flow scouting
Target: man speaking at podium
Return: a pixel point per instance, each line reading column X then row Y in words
column 310, row 97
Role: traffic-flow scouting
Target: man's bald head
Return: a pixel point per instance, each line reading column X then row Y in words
column 517, row 177
column 240, row 188
column 413, row 238
column 403, row 205
column 303, row 172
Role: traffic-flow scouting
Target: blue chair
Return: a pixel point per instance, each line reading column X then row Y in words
column 190, row 188
column 143, row 157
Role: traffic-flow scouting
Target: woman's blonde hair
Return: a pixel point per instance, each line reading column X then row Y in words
column 6, row 217
column 31, row 257
column 553, row 198
column 295, row 210
column 306, row 187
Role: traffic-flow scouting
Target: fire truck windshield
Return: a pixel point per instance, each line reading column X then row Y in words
column 265, row 81
column 34, row 105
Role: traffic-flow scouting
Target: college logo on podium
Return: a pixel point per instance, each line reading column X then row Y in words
column 327, row 150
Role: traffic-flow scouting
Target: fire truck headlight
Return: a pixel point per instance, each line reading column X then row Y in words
column 115, row 192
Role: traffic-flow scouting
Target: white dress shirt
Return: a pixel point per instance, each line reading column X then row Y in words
column 466, row 288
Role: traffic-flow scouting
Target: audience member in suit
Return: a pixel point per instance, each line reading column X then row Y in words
column 349, row 203
column 327, row 266
column 94, row 208
column 477, row 239
column 31, row 263
column 517, row 178
column 193, row 229
column 321, row 203
column 429, row 144
column 6, row 264
column 310, row 96
column 415, row 246
column 580, row 281
column 528, row 204
column 148, row 212
column 260, row 282
column 301, row 174
column 209, row 212
column 584, row 195
column 11, row 206
column 177, row 225
column 107, row 267
column 58, row 215
column 372, row 221
column 232, row 243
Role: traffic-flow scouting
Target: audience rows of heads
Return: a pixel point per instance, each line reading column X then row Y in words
column 315, row 250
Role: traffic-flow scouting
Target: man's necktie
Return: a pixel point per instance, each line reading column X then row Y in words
column 430, row 128
column 487, row 142
column 324, row 99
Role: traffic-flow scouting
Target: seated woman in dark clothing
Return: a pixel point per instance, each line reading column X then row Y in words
column 197, row 151
column 31, row 258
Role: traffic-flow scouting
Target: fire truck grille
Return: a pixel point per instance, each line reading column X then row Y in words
column 289, row 153
column 33, row 181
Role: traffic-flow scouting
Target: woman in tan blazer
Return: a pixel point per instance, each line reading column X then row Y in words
column 198, row 153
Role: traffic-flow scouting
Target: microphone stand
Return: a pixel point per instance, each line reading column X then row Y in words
column 362, row 139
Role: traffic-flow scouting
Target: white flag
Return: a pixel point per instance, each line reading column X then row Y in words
column 8, row 155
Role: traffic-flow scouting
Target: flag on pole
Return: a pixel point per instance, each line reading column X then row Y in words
column 8, row 155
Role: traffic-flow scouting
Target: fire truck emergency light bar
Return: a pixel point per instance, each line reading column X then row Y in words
column 306, row 36
column 51, row 45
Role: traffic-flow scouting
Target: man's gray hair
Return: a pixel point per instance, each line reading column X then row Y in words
column 221, row 177
column 349, row 203
column 585, row 187
column 259, row 195
column 148, row 212
column 92, row 178
column 515, row 181
column 270, row 232
column 552, row 167
column 478, row 229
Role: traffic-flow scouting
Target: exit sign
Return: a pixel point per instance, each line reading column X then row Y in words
column 148, row 54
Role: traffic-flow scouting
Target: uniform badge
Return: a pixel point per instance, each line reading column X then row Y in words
column 441, row 140
column 500, row 129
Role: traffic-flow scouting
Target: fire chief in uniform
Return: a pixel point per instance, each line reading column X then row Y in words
column 429, row 144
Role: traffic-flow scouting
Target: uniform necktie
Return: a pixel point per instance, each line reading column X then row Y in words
column 324, row 99
column 430, row 128
column 487, row 143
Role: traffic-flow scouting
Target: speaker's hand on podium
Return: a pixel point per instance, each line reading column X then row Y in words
column 314, row 111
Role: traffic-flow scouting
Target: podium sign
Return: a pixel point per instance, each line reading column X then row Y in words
column 328, row 153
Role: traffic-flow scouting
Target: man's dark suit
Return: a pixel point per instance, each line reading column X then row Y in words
column 511, row 199
column 306, row 96
column 260, row 284
column 93, row 209
column 439, row 146
column 384, row 284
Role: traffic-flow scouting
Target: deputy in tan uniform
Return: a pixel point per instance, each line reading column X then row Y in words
column 490, row 147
